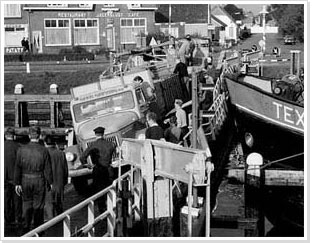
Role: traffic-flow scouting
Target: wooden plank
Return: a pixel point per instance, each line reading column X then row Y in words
column 284, row 178
column 274, row 177
column 162, row 200
column 39, row 98
column 147, row 169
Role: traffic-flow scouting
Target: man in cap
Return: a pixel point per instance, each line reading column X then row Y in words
column 33, row 173
column 101, row 152
column 12, row 203
column 54, row 198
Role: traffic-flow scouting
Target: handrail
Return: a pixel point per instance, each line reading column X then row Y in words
column 65, row 216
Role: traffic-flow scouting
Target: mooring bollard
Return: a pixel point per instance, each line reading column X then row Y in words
column 254, row 182
column 254, row 161
column 19, row 89
column 28, row 67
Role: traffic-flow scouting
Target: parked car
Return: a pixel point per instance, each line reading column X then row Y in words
column 289, row 40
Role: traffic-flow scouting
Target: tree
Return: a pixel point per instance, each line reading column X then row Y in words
column 234, row 11
column 290, row 19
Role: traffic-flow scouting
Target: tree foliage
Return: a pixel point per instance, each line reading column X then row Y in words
column 234, row 11
column 290, row 19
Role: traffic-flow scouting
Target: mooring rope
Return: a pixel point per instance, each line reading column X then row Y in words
column 279, row 160
column 269, row 163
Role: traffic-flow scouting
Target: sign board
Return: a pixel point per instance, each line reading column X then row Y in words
column 153, row 42
column 261, row 43
column 14, row 49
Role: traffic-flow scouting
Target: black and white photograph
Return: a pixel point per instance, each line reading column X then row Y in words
column 155, row 120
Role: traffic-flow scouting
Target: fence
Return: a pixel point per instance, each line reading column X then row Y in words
column 112, row 214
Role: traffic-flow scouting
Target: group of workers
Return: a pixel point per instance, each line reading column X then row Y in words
column 177, row 130
column 35, row 176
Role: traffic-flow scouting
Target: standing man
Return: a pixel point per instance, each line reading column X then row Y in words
column 154, row 131
column 172, row 133
column 27, row 46
column 182, row 71
column 181, row 118
column 33, row 172
column 186, row 50
column 54, row 198
column 12, row 202
column 23, row 44
column 101, row 152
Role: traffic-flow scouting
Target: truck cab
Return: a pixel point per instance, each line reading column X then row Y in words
column 118, row 104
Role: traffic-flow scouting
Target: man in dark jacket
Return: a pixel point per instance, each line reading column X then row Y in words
column 33, row 172
column 101, row 152
column 12, row 203
column 154, row 131
column 54, row 198
column 182, row 71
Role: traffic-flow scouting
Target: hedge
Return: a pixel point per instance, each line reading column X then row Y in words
column 48, row 57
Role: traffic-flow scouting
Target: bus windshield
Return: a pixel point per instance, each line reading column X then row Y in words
column 104, row 105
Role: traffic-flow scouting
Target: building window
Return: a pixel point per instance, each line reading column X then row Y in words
column 134, row 6
column 86, row 32
column 85, row 5
column 12, row 11
column 109, row 5
column 231, row 32
column 57, row 32
column 14, row 33
column 57, row 5
column 131, row 30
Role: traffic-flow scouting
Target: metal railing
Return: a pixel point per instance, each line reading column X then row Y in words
column 112, row 213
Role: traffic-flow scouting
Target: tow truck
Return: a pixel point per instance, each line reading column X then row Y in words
column 120, row 105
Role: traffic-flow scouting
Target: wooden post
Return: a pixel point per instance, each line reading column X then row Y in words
column 295, row 64
column 292, row 60
column 17, row 114
column 208, row 210
column 52, row 111
column 194, row 124
column 147, row 169
column 190, row 204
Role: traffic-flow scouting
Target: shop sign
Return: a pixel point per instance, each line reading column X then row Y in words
column 108, row 14
column 13, row 49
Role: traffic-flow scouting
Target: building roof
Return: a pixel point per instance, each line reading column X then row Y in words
column 218, row 9
column 188, row 13
column 218, row 21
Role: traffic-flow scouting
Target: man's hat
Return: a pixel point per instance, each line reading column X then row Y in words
column 99, row 130
column 188, row 37
column 34, row 130
column 10, row 131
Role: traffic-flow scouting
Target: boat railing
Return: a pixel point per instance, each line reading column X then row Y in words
column 112, row 214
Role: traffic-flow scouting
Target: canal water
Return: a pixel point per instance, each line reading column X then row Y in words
column 283, row 209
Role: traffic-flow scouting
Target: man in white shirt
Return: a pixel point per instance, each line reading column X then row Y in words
column 181, row 118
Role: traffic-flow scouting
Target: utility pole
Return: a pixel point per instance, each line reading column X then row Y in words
column 194, row 125
column 264, row 12
column 169, row 21
column 29, row 31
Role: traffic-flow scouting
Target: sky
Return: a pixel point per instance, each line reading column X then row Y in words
column 255, row 8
